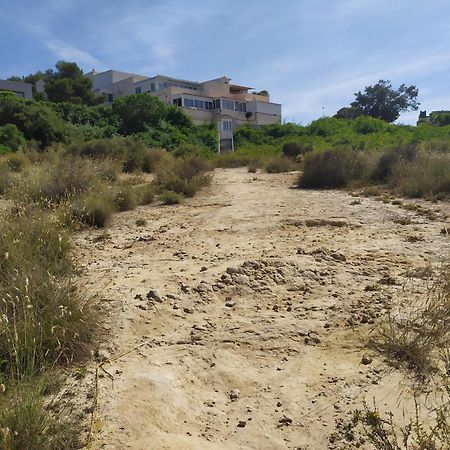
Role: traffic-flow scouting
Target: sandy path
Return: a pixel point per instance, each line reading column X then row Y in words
column 283, row 330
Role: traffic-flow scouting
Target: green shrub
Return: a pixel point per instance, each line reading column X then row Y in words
column 295, row 149
column 331, row 168
column 11, row 137
column 108, row 169
column 171, row 198
column 279, row 165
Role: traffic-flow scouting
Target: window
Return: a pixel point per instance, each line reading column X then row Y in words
column 188, row 102
column 177, row 101
column 208, row 105
column 199, row 104
column 227, row 104
column 109, row 97
column 226, row 125
column 152, row 87
column 242, row 107
column 138, row 90
column 216, row 104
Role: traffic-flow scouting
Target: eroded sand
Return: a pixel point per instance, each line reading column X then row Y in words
column 259, row 288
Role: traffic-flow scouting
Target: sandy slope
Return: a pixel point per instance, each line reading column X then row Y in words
column 260, row 295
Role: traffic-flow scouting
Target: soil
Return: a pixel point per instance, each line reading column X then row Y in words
column 240, row 319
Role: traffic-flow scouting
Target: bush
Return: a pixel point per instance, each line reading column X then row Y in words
column 185, row 176
column 54, row 182
column 44, row 318
column 93, row 210
column 279, row 165
column 295, row 149
column 124, row 199
column 427, row 175
column 28, row 421
column 17, row 162
column 389, row 158
column 11, row 137
column 171, row 198
column 5, row 177
column 152, row 157
column 145, row 194
column 331, row 168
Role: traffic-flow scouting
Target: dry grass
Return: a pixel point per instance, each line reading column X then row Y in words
column 416, row 336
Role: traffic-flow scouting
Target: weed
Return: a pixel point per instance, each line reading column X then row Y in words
column 171, row 198
column 279, row 165
column 141, row 222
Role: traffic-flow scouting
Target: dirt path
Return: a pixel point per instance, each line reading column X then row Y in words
column 253, row 301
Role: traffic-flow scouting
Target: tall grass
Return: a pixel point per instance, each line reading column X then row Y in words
column 44, row 318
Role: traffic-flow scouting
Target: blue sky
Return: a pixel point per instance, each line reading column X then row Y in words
column 309, row 54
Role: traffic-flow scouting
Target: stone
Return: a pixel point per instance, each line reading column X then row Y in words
column 241, row 424
column 285, row 420
column 366, row 360
column 155, row 295
column 234, row 394
column 232, row 270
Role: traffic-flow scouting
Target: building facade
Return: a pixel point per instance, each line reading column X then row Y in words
column 21, row 89
column 228, row 105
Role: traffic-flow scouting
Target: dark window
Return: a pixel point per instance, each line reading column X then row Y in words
column 138, row 90
column 188, row 102
column 208, row 105
column 152, row 86
column 110, row 97
column 177, row 101
column 227, row 104
column 216, row 104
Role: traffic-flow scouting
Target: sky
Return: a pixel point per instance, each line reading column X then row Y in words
column 311, row 55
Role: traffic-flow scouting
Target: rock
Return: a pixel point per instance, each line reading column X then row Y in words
column 234, row 394
column 312, row 340
column 230, row 303
column 188, row 310
column 232, row 270
column 366, row 360
column 155, row 295
column 285, row 420
column 241, row 424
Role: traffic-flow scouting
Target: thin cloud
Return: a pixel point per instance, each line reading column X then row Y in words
column 67, row 52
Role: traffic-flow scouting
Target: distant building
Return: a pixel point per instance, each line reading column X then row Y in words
column 437, row 118
column 229, row 105
column 21, row 89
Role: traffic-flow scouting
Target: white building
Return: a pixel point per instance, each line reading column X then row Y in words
column 229, row 105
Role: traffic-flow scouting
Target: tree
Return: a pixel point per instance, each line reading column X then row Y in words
column 383, row 102
column 138, row 113
column 67, row 84
column 348, row 113
column 34, row 120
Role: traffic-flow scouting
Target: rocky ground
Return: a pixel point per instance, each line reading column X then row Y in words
column 240, row 319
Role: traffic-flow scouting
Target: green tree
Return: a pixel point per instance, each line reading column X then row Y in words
column 348, row 112
column 68, row 84
column 138, row 113
column 383, row 102
column 34, row 120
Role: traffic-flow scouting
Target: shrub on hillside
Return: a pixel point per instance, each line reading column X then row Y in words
column 94, row 210
column 5, row 177
column 427, row 175
column 171, row 198
column 11, row 137
column 43, row 318
column 152, row 157
column 17, row 162
column 389, row 158
column 124, row 199
column 279, row 165
column 331, row 168
column 295, row 149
